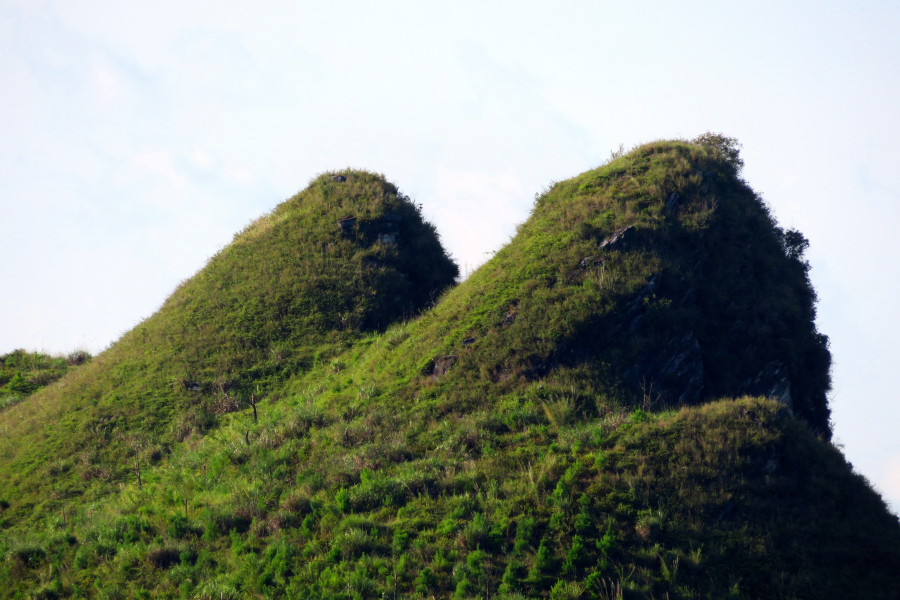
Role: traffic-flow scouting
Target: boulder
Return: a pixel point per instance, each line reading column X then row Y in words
column 619, row 239
column 442, row 364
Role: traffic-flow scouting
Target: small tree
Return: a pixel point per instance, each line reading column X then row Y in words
column 795, row 244
column 137, row 443
column 184, row 486
column 729, row 147
column 252, row 402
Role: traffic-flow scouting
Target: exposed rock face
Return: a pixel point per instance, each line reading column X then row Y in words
column 634, row 315
column 347, row 225
column 672, row 200
column 385, row 230
column 672, row 374
column 772, row 382
column 620, row 239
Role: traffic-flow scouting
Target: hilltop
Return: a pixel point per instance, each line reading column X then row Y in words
column 628, row 400
column 291, row 290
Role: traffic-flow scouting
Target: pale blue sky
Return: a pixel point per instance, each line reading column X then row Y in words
column 136, row 138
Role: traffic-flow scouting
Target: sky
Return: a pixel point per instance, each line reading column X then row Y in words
column 136, row 138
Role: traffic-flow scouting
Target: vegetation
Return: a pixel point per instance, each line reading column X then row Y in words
column 293, row 289
column 579, row 419
column 22, row 373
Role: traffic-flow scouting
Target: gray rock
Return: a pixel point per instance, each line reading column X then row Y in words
column 727, row 511
column 635, row 323
column 346, row 225
column 619, row 239
column 339, row 178
column 689, row 298
column 672, row 200
column 773, row 462
column 674, row 373
column 442, row 364
column 634, row 309
column 648, row 289
column 772, row 382
column 385, row 230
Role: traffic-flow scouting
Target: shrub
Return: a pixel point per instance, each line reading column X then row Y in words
column 425, row 581
column 513, row 576
column 342, row 500
column 181, row 528
column 524, row 531
column 28, row 555
column 163, row 557
column 464, row 589
column 477, row 532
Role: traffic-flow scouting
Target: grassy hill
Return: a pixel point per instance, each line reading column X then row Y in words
column 291, row 290
column 22, row 373
column 582, row 418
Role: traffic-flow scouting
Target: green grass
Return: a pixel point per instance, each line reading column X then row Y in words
column 22, row 373
column 290, row 291
column 551, row 427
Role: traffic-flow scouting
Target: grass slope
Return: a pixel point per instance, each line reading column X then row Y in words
column 547, row 429
column 22, row 373
column 293, row 288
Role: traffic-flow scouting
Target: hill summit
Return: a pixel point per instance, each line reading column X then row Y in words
column 346, row 256
column 627, row 401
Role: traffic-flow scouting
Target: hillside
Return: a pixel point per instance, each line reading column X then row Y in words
column 628, row 400
column 292, row 289
column 22, row 373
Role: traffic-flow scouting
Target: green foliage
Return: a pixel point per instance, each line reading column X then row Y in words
column 22, row 373
column 640, row 416
column 500, row 441
column 607, row 542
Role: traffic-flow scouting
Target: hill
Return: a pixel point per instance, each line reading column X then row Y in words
column 295, row 287
column 628, row 400
column 22, row 373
